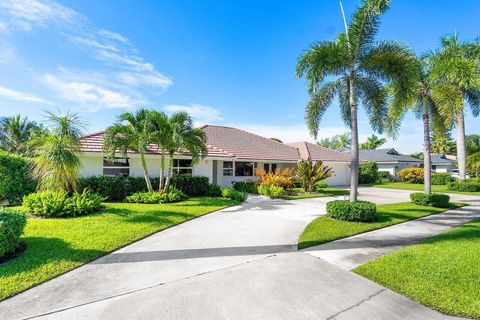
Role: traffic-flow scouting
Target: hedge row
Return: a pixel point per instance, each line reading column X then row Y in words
column 464, row 186
column 432, row 200
column 15, row 178
column 346, row 210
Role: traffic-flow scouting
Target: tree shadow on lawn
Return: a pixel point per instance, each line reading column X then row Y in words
column 153, row 216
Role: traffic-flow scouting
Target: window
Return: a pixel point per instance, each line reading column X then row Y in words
column 270, row 167
column 182, row 167
column 244, row 169
column 266, row 167
column 227, row 168
column 274, row 167
column 116, row 167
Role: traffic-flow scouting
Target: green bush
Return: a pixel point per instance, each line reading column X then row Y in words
column 361, row 211
column 411, row 175
column 441, row 178
column 384, row 177
column 463, row 186
column 214, row 190
column 234, row 195
column 174, row 195
column 194, row 186
column 431, row 200
column 272, row 191
column 368, row 172
column 60, row 204
column 15, row 177
column 245, row 186
column 12, row 224
column 320, row 185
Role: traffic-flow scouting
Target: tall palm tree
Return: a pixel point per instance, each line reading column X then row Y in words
column 132, row 131
column 360, row 67
column 184, row 137
column 57, row 163
column 373, row 142
column 16, row 133
column 456, row 67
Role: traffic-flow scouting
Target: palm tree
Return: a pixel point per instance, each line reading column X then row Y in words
column 473, row 153
column 309, row 173
column 132, row 131
column 360, row 67
column 162, row 136
column 338, row 141
column 57, row 163
column 442, row 143
column 373, row 142
column 16, row 133
column 184, row 137
column 456, row 70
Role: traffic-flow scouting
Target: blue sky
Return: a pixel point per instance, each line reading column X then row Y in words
column 226, row 62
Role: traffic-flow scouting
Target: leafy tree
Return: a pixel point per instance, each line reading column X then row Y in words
column 373, row 142
column 336, row 142
column 456, row 73
column 473, row 153
column 132, row 131
column 359, row 68
column 309, row 173
column 16, row 133
column 442, row 143
column 57, row 163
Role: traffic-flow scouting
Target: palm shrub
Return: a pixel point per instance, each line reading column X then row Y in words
column 17, row 134
column 357, row 68
column 12, row 224
column 234, row 195
column 15, row 177
column 173, row 195
column 309, row 173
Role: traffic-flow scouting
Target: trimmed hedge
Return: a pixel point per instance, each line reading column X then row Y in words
column 272, row 191
column 441, row 178
column 12, row 224
column 15, row 178
column 359, row 211
column 431, row 200
column 368, row 172
column 61, row 204
column 463, row 186
column 174, row 195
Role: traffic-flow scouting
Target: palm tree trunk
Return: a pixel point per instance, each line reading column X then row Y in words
column 461, row 149
column 170, row 172
column 162, row 170
column 354, row 163
column 145, row 173
column 427, row 163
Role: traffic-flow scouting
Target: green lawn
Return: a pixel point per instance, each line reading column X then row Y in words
column 55, row 246
column 442, row 272
column 325, row 229
column 417, row 187
column 298, row 193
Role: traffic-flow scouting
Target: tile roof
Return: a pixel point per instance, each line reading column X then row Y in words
column 315, row 152
column 385, row 155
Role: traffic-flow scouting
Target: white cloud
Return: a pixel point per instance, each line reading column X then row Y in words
column 200, row 113
column 21, row 96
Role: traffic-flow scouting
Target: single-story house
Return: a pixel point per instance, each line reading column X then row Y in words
column 389, row 160
column 441, row 163
column 232, row 155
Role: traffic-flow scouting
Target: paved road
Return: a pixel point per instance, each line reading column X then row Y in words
column 237, row 263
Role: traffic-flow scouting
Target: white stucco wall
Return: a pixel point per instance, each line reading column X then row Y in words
column 342, row 174
column 204, row 168
column 443, row 168
column 92, row 165
column 389, row 167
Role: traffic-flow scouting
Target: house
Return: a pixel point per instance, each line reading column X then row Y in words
column 441, row 163
column 389, row 160
column 232, row 155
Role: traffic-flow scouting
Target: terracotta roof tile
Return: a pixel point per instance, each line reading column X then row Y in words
column 316, row 152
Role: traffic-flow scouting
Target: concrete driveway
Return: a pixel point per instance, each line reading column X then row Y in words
column 237, row 263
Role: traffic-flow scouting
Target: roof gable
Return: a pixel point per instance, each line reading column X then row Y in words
column 315, row 152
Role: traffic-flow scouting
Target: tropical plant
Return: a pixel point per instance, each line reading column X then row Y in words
column 359, row 68
column 132, row 131
column 336, row 142
column 57, row 163
column 455, row 70
column 442, row 143
column 473, row 153
column 373, row 142
column 309, row 173
column 412, row 175
column 278, row 178
column 16, row 134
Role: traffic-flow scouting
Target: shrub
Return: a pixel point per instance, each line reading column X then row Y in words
column 320, row 185
column 278, row 178
column 361, row 211
column 463, row 186
column 214, row 190
column 368, row 172
column 441, row 178
column 272, row 191
column 431, row 200
column 411, row 175
column 15, row 178
column 173, row 195
column 245, row 186
column 12, row 224
column 234, row 195
column 309, row 173
column 60, row 204
column 191, row 185
column 384, row 177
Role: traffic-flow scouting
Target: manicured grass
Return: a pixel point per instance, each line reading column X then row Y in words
column 55, row 246
column 325, row 229
column 442, row 272
column 298, row 193
column 417, row 187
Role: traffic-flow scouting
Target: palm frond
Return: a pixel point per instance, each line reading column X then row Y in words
column 318, row 104
column 374, row 100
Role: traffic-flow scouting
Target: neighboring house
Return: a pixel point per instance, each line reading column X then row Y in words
column 389, row 160
column 441, row 163
column 232, row 155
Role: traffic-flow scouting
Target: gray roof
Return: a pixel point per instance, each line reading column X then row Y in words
column 441, row 159
column 385, row 155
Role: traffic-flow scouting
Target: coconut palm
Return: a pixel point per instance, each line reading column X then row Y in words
column 309, row 173
column 338, row 141
column 57, row 163
column 132, row 131
column 359, row 68
column 456, row 71
column 184, row 137
column 16, row 133
column 373, row 142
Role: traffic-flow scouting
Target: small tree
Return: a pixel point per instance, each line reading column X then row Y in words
column 373, row 142
column 309, row 173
